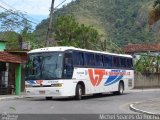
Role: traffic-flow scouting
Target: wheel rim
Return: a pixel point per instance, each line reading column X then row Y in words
column 121, row 88
column 80, row 92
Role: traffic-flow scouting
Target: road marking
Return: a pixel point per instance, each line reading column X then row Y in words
column 131, row 106
column 125, row 107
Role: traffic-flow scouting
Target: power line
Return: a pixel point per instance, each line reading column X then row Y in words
column 49, row 31
column 60, row 4
column 14, row 9
column 17, row 23
column 13, row 21
column 13, row 12
column 7, row 5
column 49, row 36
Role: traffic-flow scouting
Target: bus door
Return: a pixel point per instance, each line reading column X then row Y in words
column 68, row 66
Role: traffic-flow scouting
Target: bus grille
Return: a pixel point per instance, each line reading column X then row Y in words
column 130, row 83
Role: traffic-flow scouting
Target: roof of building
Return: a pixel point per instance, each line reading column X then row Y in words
column 132, row 48
column 10, row 58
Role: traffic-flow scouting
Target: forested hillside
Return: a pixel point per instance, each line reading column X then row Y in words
column 119, row 21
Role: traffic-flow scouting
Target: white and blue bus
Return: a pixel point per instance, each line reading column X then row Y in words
column 69, row 71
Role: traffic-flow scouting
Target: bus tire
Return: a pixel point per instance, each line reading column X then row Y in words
column 120, row 89
column 48, row 98
column 78, row 95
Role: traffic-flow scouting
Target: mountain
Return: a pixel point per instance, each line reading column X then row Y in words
column 120, row 21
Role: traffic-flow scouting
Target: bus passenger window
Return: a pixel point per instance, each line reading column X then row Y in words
column 78, row 59
column 116, row 62
column 89, row 59
column 98, row 61
column 108, row 61
column 68, row 63
column 123, row 62
column 129, row 63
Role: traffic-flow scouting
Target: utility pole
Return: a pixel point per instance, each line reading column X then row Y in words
column 49, row 37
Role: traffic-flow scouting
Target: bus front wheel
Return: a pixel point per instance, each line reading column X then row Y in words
column 78, row 95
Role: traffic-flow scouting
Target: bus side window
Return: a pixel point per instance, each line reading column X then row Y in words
column 116, row 62
column 89, row 59
column 123, row 62
column 68, row 66
column 108, row 61
column 78, row 59
column 129, row 63
column 98, row 60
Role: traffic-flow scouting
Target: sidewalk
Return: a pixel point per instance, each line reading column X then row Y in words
column 151, row 107
column 4, row 97
column 143, row 90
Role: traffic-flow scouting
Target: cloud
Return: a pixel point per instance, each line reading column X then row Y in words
column 34, row 7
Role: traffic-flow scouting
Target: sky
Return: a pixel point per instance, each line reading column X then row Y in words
column 37, row 10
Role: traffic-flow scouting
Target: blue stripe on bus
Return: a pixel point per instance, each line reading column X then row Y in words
column 113, row 79
column 31, row 81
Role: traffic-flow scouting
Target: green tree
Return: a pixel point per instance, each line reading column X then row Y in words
column 71, row 33
column 148, row 64
column 65, row 28
column 121, row 21
column 154, row 14
column 14, row 28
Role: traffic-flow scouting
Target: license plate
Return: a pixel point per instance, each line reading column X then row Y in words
column 42, row 92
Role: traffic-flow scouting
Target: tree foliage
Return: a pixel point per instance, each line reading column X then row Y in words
column 15, row 29
column 154, row 14
column 148, row 64
column 13, row 21
column 71, row 33
column 121, row 21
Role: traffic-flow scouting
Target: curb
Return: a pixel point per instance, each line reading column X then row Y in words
column 142, row 90
column 10, row 97
column 131, row 106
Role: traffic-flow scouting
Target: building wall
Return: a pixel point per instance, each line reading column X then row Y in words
column 2, row 46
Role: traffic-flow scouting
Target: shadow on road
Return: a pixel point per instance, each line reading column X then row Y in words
column 88, row 97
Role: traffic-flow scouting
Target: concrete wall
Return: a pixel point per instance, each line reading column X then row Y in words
column 147, row 80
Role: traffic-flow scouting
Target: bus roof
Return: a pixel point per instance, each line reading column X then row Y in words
column 64, row 48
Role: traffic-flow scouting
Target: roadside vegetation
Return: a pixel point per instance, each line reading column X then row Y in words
column 104, row 25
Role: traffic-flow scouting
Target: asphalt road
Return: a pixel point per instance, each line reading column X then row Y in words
column 105, row 104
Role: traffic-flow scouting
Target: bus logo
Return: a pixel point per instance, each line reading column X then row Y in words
column 39, row 82
column 96, row 76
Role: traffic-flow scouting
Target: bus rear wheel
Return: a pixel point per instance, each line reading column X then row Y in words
column 120, row 89
column 78, row 95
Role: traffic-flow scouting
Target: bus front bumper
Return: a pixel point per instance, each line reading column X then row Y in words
column 44, row 91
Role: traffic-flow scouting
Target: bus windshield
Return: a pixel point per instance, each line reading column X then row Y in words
column 44, row 66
